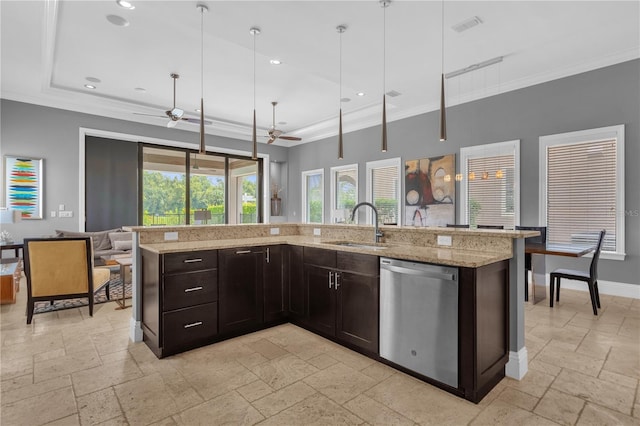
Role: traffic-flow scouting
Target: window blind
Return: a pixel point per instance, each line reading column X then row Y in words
column 384, row 191
column 581, row 192
column 491, row 197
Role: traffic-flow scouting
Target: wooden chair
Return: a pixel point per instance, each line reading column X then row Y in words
column 454, row 225
column 60, row 268
column 490, row 226
column 540, row 239
column 590, row 277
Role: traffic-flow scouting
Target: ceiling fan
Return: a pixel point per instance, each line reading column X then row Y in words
column 175, row 114
column 278, row 134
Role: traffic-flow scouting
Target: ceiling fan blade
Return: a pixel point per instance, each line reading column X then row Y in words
column 271, row 140
column 150, row 115
column 290, row 138
column 172, row 123
column 196, row 121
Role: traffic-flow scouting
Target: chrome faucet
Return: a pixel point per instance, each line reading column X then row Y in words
column 377, row 232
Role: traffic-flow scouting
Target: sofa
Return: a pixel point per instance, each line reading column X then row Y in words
column 105, row 243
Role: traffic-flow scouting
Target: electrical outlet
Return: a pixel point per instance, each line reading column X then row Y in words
column 275, row 231
column 444, row 240
column 171, row 236
column 65, row 213
column 61, row 207
column 317, row 232
column 53, row 213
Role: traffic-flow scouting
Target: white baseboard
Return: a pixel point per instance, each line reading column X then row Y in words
column 611, row 288
column 518, row 364
column 135, row 330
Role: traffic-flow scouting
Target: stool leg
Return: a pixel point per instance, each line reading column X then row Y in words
column 526, row 285
column 592, row 293
column 558, row 289
column 551, row 283
column 597, row 294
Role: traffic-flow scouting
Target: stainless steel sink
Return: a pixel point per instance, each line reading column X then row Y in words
column 358, row 245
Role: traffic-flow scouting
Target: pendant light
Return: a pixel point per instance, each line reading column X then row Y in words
column 384, row 4
column 341, row 29
column 443, row 113
column 203, row 9
column 254, row 31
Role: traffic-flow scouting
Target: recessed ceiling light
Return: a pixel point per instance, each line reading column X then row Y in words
column 140, row 89
column 118, row 20
column 361, row 94
column 125, row 4
column 89, row 86
column 275, row 62
column 93, row 79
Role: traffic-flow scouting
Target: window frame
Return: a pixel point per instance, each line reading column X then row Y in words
column 616, row 132
column 306, row 174
column 378, row 164
column 489, row 150
column 333, row 189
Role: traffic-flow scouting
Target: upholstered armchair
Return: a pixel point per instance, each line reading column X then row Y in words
column 60, row 268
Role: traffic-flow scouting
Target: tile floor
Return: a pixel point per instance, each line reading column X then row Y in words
column 68, row 368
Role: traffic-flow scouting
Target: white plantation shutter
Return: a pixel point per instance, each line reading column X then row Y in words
column 581, row 192
column 383, row 190
column 491, row 198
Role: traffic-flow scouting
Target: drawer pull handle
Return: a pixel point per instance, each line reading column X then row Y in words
column 188, row 290
column 243, row 251
column 193, row 324
column 192, row 260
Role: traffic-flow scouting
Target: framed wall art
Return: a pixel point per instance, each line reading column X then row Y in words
column 23, row 185
column 430, row 191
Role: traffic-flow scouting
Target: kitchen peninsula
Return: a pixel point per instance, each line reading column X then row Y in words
column 195, row 285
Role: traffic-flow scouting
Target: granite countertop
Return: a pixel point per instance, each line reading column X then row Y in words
column 440, row 255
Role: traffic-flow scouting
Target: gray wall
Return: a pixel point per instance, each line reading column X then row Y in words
column 603, row 97
column 53, row 134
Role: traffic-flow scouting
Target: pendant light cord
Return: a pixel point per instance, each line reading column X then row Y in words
column 202, row 53
column 384, row 47
column 442, row 40
column 254, row 71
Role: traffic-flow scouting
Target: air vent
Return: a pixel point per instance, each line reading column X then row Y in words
column 467, row 24
column 393, row 93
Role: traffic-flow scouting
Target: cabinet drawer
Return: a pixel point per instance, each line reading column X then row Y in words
column 360, row 263
column 320, row 257
column 190, row 289
column 189, row 327
column 190, row 261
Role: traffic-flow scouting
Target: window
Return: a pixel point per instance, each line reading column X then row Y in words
column 181, row 187
column 383, row 190
column 582, row 188
column 490, row 185
column 313, row 196
column 344, row 192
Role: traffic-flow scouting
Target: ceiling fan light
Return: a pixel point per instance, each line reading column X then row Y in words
column 125, row 4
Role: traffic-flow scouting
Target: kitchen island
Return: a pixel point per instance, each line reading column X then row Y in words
column 216, row 282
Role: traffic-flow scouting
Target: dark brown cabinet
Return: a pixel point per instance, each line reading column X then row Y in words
column 343, row 296
column 241, row 289
column 275, row 284
column 179, row 300
column 294, row 275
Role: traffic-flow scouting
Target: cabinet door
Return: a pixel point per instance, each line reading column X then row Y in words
column 297, row 311
column 240, row 288
column 274, row 283
column 321, row 299
column 357, row 310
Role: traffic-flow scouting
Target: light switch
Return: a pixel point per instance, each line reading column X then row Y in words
column 65, row 213
column 444, row 240
column 53, row 213
column 61, row 207
column 275, row 231
column 171, row 236
column 317, row 232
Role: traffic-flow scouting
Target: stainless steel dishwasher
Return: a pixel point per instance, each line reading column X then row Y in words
column 419, row 318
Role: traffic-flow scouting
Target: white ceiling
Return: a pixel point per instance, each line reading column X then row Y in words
column 50, row 47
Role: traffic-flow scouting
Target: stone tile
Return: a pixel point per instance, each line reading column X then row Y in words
column 605, row 324
column 543, row 367
column 378, row 371
column 61, row 366
column 184, row 394
column 595, row 415
column 104, row 376
column 534, row 383
column 228, row 409
column 618, row 379
column 255, row 390
column 111, row 341
column 567, row 334
column 283, row 371
column 251, row 360
column 350, row 358
column 43, row 356
column 322, row 361
column 500, row 413
column 560, row 407
column 375, row 413
column 518, row 399
column 592, row 389
column 98, row 407
column 267, row 349
column 213, row 383
column 169, row 421
column 422, row 403
column 283, row 398
column 11, row 369
column 73, row 420
column 624, row 361
column 340, row 383
column 571, row 360
column 317, row 410
column 33, row 344
column 146, row 400
column 40, row 409
column 12, row 394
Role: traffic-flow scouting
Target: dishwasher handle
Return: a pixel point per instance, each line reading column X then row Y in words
column 422, row 273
